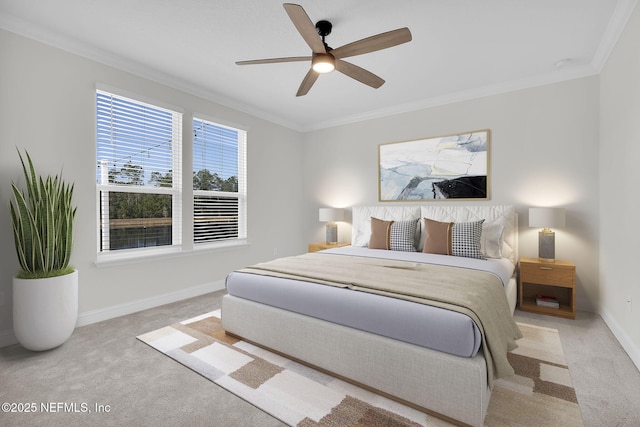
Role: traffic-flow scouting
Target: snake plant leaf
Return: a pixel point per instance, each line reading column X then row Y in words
column 42, row 216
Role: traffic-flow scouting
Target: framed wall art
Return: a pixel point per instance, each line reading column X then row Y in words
column 443, row 167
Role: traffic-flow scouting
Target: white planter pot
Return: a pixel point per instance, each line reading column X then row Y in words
column 45, row 311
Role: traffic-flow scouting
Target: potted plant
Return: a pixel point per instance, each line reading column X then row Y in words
column 45, row 289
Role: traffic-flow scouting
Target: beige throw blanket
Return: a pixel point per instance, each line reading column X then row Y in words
column 478, row 294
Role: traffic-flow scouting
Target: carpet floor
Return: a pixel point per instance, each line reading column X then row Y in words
column 105, row 364
column 541, row 393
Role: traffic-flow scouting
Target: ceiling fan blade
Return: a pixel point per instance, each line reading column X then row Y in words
column 275, row 60
column 305, row 27
column 307, row 82
column 360, row 74
column 373, row 43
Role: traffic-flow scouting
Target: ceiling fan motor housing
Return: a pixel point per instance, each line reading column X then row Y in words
column 323, row 28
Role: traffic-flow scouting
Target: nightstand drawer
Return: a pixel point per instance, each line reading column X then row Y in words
column 548, row 274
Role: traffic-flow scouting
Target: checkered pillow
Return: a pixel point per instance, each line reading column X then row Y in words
column 465, row 239
column 402, row 235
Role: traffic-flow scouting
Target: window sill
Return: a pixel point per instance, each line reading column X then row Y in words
column 138, row 256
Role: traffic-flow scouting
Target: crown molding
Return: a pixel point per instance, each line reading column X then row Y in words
column 75, row 47
column 437, row 101
column 623, row 11
column 615, row 27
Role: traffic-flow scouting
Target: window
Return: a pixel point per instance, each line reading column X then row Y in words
column 219, row 183
column 138, row 174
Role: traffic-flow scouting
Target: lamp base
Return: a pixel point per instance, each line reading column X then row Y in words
column 547, row 246
column 332, row 233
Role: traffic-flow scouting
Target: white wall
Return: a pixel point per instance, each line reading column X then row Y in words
column 619, row 189
column 47, row 106
column 544, row 151
column 545, row 148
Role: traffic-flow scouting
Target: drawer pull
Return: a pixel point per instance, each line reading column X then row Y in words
column 546, row 268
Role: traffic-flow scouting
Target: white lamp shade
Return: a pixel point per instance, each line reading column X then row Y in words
column 331, row 214
column 546, row 217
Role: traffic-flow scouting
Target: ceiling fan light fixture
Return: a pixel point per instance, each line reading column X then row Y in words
column 324, row 59
column 323, row 63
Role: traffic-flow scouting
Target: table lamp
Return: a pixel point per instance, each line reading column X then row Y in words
column 546, row 218
column 330, row 216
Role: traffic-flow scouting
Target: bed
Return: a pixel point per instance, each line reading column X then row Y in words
column 431, row 356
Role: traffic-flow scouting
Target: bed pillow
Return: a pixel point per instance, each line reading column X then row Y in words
column 393, row 235
column 403, row 235
column 492, row 240
column 380, row 234
column 438, row 237
column 453, row 238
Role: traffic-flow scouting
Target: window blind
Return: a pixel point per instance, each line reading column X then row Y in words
column 138, row 173
column 219, row 182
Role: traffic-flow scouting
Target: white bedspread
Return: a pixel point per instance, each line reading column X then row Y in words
column 420, row 324
column 503, row 268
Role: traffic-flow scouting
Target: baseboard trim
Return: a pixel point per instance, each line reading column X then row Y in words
column 107, row 313
column 625, row 341
column 7, row 337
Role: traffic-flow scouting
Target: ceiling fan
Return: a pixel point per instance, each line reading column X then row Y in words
column 324, row 59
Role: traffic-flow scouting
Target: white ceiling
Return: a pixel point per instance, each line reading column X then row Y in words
column 460, row 48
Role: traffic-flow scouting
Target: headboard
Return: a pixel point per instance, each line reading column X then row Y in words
column 494, row 216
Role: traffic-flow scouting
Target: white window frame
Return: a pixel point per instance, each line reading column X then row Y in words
column 106, row 255
column 182, row 198
column 241, row 195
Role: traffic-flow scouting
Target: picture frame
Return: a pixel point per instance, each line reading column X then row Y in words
column 447, row 167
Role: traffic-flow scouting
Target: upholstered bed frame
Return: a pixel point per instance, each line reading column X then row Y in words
column 451, row 387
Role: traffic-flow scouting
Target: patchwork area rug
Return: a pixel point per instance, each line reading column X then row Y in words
column 540, row 394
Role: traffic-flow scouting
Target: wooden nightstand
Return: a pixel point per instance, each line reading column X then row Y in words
column 555, row 279
column 320, row 246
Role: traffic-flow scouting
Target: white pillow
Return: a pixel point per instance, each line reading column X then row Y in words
column 492, row 240
column 361, row 216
